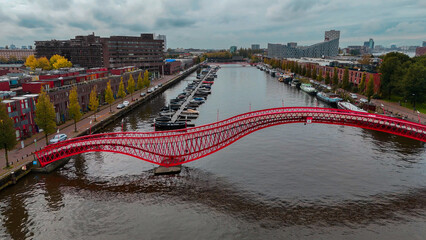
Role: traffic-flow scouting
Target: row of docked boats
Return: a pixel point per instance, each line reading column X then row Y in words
column 314, row 88
column 182, row 109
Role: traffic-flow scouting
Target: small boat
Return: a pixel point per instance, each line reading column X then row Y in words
column 349, row 106
column 308, row 88
column 296, row 83
column 162, row 119
column 167, row 113
column 169, row 125
column 273, row 73
column 329, row 98
column 287, row 79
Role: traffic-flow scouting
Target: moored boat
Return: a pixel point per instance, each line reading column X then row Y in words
column 349, row 106
column 329, row 98
column 308, row 88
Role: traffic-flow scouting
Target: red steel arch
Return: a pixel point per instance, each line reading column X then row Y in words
column 169, row 148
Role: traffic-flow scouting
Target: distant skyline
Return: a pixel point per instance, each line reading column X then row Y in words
column 217, row 24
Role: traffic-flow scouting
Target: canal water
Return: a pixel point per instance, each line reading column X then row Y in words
column 288, row 181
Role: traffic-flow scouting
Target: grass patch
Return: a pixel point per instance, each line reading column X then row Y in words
column 421, row 107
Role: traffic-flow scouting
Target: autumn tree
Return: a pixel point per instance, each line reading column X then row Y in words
column 319, row 78
column 146, row 78
column 308, row 72
column 131, row 86
column 45, row 114
column 370, row 88
column 121, row 93
column 140, row 82
column 94, row 101
column 43, row 63
column 345, row 82
column 362, row 84
column 109, row 95
column 74, row 108
column 335, row 77
column 327, row 78
column 31, row 62
column 7, row 132
column 365, row 59
column 314, row 73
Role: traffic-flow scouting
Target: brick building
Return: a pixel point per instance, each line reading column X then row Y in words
column 11, row 68
column 20, row 54
column 420, row 51
column 22, row 111
column 144, row 52
column 172, row 66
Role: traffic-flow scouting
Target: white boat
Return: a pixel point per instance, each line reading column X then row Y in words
column 349, row 106
column 306, row 87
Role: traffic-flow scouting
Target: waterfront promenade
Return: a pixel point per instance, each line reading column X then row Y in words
column 20, row 156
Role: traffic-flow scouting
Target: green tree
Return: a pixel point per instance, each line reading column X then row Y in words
column 327, row 78
column 146, row 78
column 414, row 83
column 319, row 78
column 140, row 82
column 392, row 69
column 74, row 107
column 314, row 73
column 335, row 77
column 7, row 132
column 370, row 88
column 131, row 86
column 94, row 101
column 45, row 114
column 362, row 83
column 121, row 93
column 345, row 82
column 109, row 95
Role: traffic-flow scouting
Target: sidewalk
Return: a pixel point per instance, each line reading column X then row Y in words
column 19, row 155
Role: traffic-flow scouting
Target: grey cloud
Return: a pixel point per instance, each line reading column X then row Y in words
column 82, row 25
column 33, row 22
column 174, row 22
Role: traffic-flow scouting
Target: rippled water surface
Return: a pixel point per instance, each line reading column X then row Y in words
column 288, row 181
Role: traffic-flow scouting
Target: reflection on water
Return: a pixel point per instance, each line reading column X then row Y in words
column 288, row 181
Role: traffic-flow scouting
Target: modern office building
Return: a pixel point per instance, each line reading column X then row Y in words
column 330, row 47
column 255, row 47
column 424, row 44
column 92, row 51
column 163, row 37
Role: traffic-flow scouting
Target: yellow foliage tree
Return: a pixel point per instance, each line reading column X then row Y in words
column 43, row 63
column 94, row 101
column 62, row 63
column 31, row 62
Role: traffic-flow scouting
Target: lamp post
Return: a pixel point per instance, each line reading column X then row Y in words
column 90, row 127
column 418, row 115
column 414, row 102
column 122, row 124
column 383, row 108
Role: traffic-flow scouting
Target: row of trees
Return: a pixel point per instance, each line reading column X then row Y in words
column 403, row 77
column 45, row 111
column 310, row 71
column 55, row 62
column 12, row 59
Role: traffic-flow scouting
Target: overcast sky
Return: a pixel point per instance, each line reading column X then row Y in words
column 217, row 23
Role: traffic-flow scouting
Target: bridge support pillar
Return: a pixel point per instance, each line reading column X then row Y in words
column 167, row 170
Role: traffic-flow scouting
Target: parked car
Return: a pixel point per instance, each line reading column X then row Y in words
column 363, row 100
column 160, row 85
column 120, row 106
column 150, row 90
column 58, row 138
column 126, row 103
column 143, row 94
column 354, row 96
column 156, row 87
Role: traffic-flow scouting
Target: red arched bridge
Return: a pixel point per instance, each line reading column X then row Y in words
column 169, row 148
